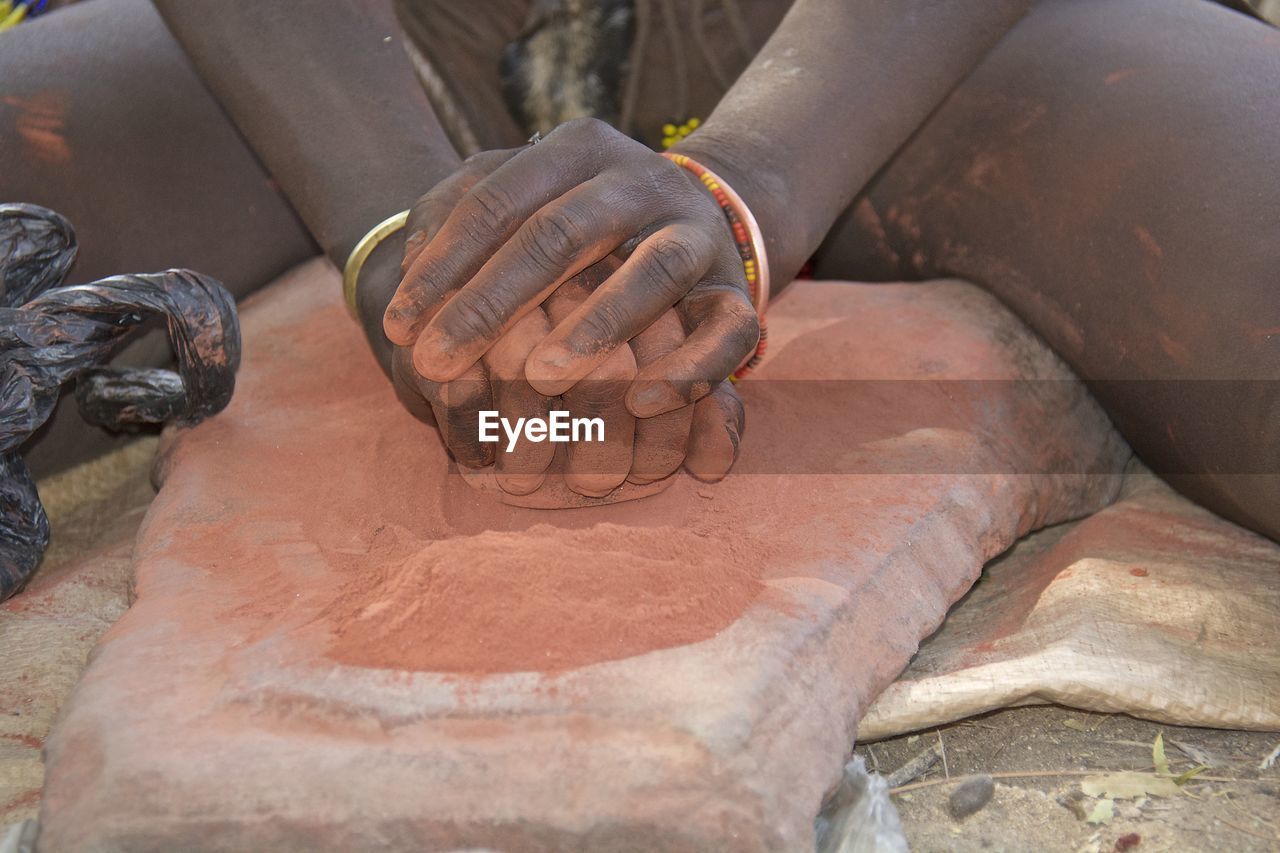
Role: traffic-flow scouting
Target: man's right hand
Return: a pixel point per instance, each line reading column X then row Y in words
column 703, row 436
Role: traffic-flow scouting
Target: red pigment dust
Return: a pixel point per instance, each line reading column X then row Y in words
column 543, row 599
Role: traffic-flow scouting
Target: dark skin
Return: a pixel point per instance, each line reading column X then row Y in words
column 391, row 146
column 547, row 212
column 1121, row 199
column 381, row 153
column 534, row 218
column 1037, row 178
column 187, row 192
column 651, row 447
column 531, row 220
column 587, row 191
column 676, row 246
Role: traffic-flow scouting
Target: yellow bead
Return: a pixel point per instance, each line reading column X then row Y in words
column 668, row 129
column 693, row 123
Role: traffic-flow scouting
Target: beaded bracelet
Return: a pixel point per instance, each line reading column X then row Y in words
column 750, row 242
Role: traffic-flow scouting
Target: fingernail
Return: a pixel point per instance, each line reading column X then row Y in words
column 432, row 355
column 545, row 369
column 521, row 484
column 656, row 467
column 397, row 324
column 471, row 460
column 653, row 398
column 593, row 485
column 416, row 239
column 711, row 453
column 547, row 379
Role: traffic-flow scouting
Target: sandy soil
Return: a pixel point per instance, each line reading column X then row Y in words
column 1050, row 812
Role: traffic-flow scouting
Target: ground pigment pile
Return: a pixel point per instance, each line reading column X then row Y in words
column 544, row 599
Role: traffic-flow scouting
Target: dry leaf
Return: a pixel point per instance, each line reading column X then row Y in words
column 1128, row 784
column 1158, row 758
column 1186, row 777
column 1073, row 723
column 1103, row 812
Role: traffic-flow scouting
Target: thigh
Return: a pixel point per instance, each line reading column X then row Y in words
column 1111, row 172
column 103, row 119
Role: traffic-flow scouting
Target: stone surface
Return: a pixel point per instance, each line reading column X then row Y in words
column 217, row 714
column 970, row 796
column 1153, row 607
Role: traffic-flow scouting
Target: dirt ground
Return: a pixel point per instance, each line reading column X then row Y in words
column 1049, row 812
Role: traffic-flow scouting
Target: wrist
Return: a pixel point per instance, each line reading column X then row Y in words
column 378, row 281
column 753, row 177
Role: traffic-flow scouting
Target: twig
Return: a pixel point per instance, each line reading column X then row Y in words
column 1243, row 812
column 942, row 748
column 913, row 769
column 1033, row 774
column 1272, row 838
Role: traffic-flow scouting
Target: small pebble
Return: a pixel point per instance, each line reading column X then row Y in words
column 970, row 796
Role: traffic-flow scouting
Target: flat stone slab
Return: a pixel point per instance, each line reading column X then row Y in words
column 338, row 644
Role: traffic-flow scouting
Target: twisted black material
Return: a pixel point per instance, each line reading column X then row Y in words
column 50, row 334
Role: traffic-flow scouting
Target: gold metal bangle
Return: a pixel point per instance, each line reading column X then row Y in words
column 361, row 253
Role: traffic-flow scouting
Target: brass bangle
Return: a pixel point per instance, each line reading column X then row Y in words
column 361, row 253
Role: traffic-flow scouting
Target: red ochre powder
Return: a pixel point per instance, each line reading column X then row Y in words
column 543, row 599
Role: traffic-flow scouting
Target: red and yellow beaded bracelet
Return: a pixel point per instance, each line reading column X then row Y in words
column 750, row 242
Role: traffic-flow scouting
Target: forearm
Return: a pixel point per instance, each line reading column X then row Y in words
column 837, row 89
column 329, row 103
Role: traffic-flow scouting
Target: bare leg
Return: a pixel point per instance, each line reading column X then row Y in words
column 1110, row 172
column 103, row 119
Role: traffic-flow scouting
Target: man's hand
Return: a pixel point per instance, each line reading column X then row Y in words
column 530, row 220
column 639, row 450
